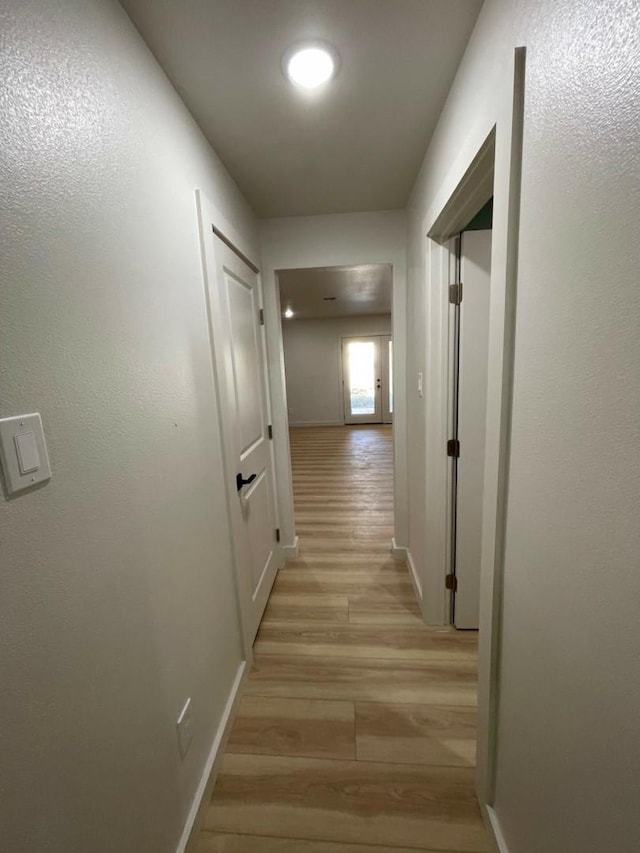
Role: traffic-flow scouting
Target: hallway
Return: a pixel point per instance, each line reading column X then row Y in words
column 355, row 733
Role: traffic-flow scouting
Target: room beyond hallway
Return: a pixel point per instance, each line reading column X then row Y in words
column 356, row 730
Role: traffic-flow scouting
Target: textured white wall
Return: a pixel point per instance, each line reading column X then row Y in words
column 313, row 364
column 117, row 597
column 342, row 240
column 568, row 739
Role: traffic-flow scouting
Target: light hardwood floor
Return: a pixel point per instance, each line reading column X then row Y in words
column 356, row 730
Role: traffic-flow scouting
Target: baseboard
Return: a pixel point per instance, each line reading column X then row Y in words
column 495, row 832
column 291, row 551
column 195, row 818
column 415, row 580
column 399, row 551
column 315, row 423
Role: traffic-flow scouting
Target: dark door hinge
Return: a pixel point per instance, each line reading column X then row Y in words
column 453, row 448
column 270, row 431
column 277, row 534
column 261, row 316
column 451, row 582
column 455, row 293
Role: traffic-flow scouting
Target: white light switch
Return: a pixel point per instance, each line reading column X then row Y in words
column 27, row 450
column 419, row 384
column 23, row 452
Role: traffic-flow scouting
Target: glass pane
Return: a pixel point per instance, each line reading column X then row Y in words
column 390, row 376
column 362, row 378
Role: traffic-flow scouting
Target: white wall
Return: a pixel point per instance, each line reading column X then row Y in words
column 568, row 746
column 313, row 364
column 117, row 596
column 320, row 241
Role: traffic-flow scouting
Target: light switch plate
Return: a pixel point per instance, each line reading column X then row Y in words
column 23, row 452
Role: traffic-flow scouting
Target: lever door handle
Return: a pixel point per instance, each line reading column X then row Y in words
column 240, row 481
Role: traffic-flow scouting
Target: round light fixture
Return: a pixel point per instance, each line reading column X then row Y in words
column 288, row 313
column 310, row 65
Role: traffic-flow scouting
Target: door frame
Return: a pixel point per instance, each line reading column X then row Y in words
column 491, row 166
column 386, row 417
column 209, row 228
column 454, row 247
column 303, row 250
column 387, row 383
column 458, row 340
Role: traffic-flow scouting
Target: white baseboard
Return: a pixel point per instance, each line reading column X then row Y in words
column 291, row 551
column 399, row 551
column 315, row 423
column 415, row 580
column 495, row 832
column 403, row 553
column 195, row 818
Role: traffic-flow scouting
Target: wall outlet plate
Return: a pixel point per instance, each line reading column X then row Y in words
column 185, row 729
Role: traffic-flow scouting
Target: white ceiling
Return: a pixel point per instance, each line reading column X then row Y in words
column 356, row 146
column 363, row 289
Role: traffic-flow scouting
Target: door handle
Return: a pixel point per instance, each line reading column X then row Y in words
column 240, row 481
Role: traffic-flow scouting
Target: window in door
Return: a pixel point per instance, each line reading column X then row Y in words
column 368, row 388
column 362, row 378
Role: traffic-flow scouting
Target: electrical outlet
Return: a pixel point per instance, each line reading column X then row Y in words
column 419, row 384
column 185, row 729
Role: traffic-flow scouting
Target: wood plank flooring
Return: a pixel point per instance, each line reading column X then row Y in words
column 356, row 730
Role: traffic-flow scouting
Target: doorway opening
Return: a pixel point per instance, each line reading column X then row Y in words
column 337, row 343
column 338, row 354
column 493, row 171
column 466, row 293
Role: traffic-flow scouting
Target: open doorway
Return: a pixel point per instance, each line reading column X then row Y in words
column 338, row 364
column 337, row 343
column 468, row 331
column 492, row 170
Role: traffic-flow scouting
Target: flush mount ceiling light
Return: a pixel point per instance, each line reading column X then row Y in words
column 288, row 313
column 310, row 65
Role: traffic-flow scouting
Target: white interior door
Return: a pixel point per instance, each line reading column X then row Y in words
column 475, row 273
column 367, row 379
column 234, row 300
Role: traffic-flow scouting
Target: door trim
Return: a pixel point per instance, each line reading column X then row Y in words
column 294, row 244
column 454, row 408
column 497, row 163
column 234, row 248
column 386, row 342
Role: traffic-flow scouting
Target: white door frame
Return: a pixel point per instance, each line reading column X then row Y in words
column 208, row 220
column 301, row 256
column 471, row 386
column 492, row 167
column 387, row 378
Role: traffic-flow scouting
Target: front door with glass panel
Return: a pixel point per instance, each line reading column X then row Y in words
column 367, row 366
